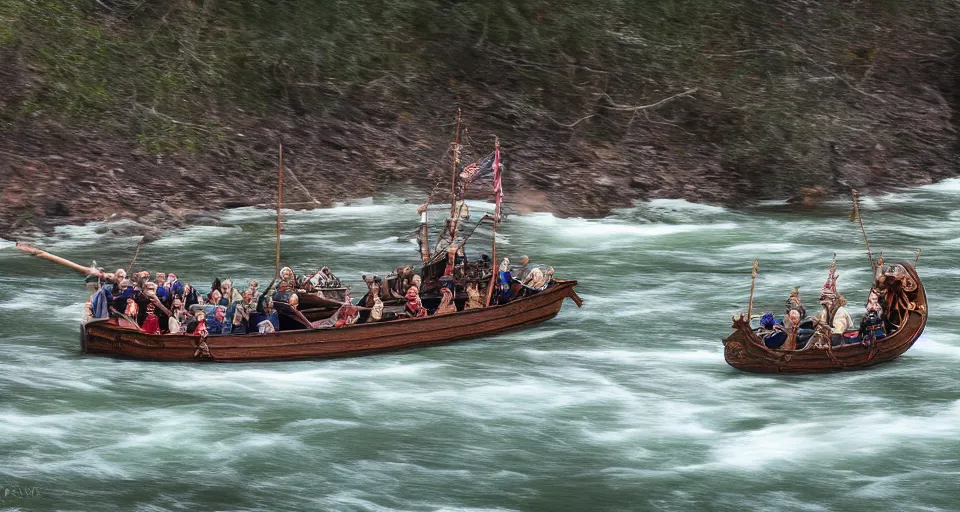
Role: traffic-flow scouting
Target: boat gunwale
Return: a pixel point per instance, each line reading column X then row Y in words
column 548, row 299
column 763, row 359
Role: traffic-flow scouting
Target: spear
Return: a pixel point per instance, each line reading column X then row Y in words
column 753, row 281
column 855, row 215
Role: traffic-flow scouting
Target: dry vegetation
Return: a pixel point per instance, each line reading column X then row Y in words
column 598, row 103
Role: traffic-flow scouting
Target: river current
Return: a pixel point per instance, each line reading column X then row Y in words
column 625, row 404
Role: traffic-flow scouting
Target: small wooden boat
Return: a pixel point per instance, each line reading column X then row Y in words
column 109, row 337
column 906, row 304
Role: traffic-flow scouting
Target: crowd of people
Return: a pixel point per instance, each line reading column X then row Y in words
column 161, row 304
column 833, row 322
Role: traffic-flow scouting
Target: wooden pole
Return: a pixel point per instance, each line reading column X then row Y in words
column 496, row 266
column 87, row 271
column 279, row 206
column 859, row 218
column 453, row 180
column 753, row 281
column 916, row 259
column 135, row 254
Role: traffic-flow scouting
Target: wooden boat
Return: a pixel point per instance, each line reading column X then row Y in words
column 907, row 312
column 109, row 337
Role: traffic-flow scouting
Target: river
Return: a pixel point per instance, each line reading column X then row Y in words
column 625, row 404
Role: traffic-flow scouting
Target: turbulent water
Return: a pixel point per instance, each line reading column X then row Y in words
column 625, row 404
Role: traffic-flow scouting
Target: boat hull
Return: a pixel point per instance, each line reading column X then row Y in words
column 744, row 350
column 106, row 337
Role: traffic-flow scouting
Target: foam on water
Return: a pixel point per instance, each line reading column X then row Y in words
column 625, row 404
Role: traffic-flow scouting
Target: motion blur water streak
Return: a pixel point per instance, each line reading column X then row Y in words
column 625, row 404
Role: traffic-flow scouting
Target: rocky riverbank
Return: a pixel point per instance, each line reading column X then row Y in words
column 132, row 111
column 53, row 176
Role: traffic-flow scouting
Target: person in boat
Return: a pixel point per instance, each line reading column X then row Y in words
column 413, row 307
column 198, row 326
column 140, row 279
column 163, row 292
column 239, row 313
column 368, row 301
column 175, row 324
column 132, row 311
column 151, row 324
column 535, row 279
column 283, row 293
column 447, row 305
column 125, row 291
column 253, row 286
column 175, row 286
column 474, row 301
column 217, row 324
column 98, row 305
column 376, row 310
column 216, row 298
column 873, row 325
column 403, row 281
column 191, row 296
column 287, row 276
column 505, row 279
column 772, row 331
column 834, row 314
column 229, row 292
column 118, row 277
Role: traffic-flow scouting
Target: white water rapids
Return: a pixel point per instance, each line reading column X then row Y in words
column 626, row 404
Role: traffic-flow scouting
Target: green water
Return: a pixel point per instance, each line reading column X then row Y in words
column 625, row 404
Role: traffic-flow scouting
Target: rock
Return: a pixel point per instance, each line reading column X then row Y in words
column 201, row 218
column 132, row 228
column 809, row 196
column 54, row 208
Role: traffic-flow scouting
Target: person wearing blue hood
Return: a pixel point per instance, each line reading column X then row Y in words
column 125, row 291
column 777, row 335
column 98, row 307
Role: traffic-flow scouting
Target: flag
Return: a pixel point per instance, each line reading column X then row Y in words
column 497, row 183
column 477, row 170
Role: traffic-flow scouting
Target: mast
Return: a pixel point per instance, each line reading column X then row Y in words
column 453, row 179
column 497, row 192
column 279, row 205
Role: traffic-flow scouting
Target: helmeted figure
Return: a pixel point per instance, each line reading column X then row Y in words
column 834, row 315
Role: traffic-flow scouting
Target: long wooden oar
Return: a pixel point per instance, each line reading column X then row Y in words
column 87, row 271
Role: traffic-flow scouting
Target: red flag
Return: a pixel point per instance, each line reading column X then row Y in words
column 497, row 183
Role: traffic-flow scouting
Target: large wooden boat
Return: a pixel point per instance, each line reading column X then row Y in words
column 109, row 337
column 906, row 304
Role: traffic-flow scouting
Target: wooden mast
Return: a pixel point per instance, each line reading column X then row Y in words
column 454, row 214
column 279, row 205
column 495, row 274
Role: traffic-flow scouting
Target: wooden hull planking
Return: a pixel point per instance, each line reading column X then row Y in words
column 744, row 350
column 107, row 338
